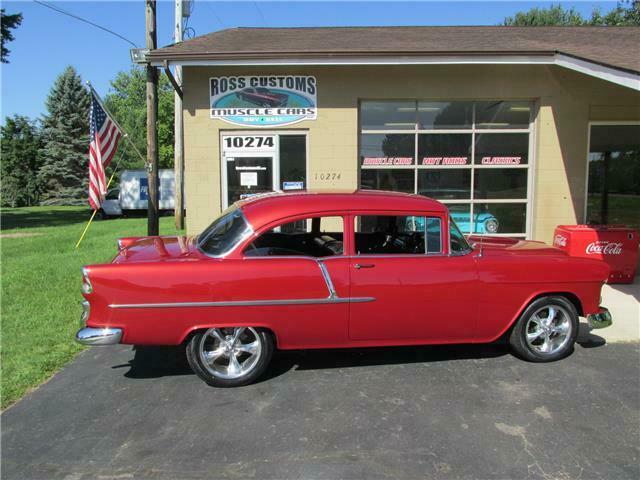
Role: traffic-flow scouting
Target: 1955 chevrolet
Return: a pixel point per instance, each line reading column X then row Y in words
column 329, row 270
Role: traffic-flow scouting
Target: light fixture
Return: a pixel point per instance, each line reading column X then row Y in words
column 516, row 108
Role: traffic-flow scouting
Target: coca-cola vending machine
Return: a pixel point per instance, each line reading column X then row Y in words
column 616, row 245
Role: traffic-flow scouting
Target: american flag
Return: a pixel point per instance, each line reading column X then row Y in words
column 103, row 143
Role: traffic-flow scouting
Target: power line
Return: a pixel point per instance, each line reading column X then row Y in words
column 59, row 10
column 264, row 20
column 215, row 14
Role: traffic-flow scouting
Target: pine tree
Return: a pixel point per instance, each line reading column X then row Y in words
column 20, row 162
column 63, row 177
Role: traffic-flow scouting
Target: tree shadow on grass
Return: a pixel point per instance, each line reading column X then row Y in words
column 34, row 217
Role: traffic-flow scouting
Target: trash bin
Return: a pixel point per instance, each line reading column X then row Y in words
column 617, row 245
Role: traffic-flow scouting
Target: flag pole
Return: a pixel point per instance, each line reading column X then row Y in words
column 124, row 134
column 115, row 168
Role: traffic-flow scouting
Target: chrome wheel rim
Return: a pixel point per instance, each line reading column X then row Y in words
column 548, row 330
column 230, row 353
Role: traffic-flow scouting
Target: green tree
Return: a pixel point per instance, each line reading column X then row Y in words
column 64, row 174
column 20, row 138
column 626, row 13
column 8, row 23
column 127, row 103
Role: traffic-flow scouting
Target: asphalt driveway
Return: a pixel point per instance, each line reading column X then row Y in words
column 445, row 412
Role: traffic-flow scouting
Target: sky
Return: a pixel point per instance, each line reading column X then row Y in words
column 47, row 41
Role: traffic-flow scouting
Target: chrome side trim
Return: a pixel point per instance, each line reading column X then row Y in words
column 247, row 303
column 327, row 279
column 99, row 336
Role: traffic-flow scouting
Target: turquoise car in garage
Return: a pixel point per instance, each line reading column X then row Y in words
column 484, row 223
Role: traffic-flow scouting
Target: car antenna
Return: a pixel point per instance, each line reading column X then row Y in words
column 481, row 240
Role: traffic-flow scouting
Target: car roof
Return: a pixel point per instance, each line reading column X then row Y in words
column 265, row 208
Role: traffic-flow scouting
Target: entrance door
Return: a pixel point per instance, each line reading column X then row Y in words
column 247, row 176
column 249, row 166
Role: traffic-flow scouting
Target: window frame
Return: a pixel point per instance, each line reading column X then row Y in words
column 295, row 218
column 444, row 233
column 611, row 123
column 528, row 201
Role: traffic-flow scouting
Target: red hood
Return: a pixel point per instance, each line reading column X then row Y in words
column 512, row 245
column 154, row 249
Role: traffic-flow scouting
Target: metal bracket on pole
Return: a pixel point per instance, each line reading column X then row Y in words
column 172, row 79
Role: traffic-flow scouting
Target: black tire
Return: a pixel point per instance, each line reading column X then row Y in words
column 209, row 372
column 529, row 338
column 102, row 214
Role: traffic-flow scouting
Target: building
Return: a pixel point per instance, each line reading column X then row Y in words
column 516, row 129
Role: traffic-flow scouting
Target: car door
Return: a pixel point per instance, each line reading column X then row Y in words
column 300, row 264
column 422, row 293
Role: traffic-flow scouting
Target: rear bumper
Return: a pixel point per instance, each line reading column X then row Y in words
column 99, row 336
column 602, row 319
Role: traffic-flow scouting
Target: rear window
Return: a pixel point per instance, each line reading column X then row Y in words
column 224, row 233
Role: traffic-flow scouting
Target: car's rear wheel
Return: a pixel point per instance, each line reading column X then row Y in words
column 546, row 330
column 230, row 357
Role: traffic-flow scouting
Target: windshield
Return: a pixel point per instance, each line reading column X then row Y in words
column 458, row 244
column 224, row 233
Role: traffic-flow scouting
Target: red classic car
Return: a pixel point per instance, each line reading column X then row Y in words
column 263, row 97
column 326, row 270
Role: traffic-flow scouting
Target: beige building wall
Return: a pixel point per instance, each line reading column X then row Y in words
column 566, row 102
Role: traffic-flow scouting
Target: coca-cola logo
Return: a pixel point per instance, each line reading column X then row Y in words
column 604, row 247
column 560, row 240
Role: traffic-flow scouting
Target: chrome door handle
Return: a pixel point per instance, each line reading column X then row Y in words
column 363, row 265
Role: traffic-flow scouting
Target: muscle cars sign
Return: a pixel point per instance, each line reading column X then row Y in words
column 263, row 100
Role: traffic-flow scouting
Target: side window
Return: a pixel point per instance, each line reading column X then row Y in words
column 458, row 244
column 112, row 195
column 311, row 237
column 402, row 234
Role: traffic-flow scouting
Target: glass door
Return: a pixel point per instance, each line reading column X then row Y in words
column 247, row 176
column 614, row 175
column 249, row 166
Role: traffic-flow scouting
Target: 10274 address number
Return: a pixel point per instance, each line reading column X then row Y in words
column 328, row 176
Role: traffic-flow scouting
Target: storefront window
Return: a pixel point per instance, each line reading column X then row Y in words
column 508, row 218
column 293, row 162
column 444, row 149
column 388, row 115
column 500, row 114
column 387, row 149
column 502, row 149
column 473, row 156
column 396, row 180
column 445, row 115
column 445, row 183
column 614, row 175
column 500, row 183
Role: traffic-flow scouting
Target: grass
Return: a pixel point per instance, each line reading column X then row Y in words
column 41, row 287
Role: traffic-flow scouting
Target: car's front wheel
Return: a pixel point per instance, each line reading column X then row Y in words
column 546, row 330
column 230, row 357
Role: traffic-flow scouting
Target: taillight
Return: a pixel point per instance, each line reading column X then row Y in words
column 86, row 283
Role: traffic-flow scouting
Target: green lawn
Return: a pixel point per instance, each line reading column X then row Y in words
column 41, row 281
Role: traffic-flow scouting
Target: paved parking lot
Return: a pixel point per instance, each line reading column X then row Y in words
column 444, row 412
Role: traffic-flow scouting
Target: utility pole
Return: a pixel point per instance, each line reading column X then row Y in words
column 178, row 146
column 152, row 127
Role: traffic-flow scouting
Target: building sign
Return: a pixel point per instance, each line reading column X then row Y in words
column 263, row 100
column 445, row 161
column 386, row 161
column 501, row 161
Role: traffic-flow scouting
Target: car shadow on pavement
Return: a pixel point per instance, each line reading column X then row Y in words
column 156, row 362
column 588, row 339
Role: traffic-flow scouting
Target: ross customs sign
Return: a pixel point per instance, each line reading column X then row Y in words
column 263, row 100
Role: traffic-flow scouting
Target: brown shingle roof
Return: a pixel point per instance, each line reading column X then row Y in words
column 617, row 47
